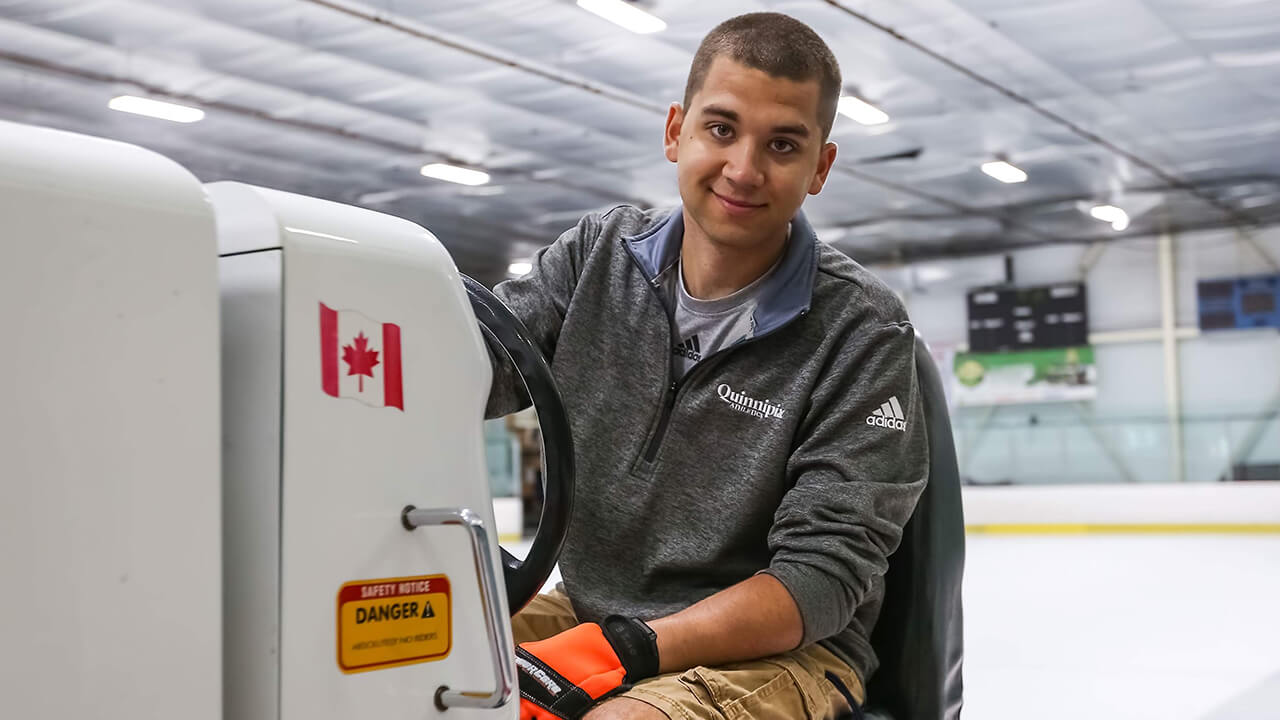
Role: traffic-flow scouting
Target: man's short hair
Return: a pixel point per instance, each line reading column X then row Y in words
column 776, row 44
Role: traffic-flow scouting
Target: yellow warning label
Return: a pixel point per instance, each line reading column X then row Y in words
column 393, row 622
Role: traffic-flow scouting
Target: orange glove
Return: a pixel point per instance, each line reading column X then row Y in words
column 562, row 677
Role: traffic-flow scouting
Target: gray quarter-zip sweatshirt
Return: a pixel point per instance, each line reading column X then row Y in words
column 799, row 452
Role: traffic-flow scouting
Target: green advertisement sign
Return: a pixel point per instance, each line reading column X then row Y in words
column 1025, row 376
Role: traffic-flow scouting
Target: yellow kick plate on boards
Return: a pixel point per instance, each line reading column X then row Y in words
column 393, row 622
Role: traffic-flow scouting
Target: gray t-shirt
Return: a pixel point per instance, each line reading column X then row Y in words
column 705, row 326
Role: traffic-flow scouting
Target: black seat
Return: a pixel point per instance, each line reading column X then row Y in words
column 919, row 636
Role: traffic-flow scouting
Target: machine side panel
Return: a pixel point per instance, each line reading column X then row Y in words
column 246, row 223
column 251, row 405
column 365, row 435
column 109, row 457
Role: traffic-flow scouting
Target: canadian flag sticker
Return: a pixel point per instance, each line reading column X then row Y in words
column 360, row 358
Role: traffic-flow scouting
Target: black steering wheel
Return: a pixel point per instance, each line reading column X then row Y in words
column 525, row 577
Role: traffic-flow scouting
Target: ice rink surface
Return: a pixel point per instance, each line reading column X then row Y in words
column 1122, row 627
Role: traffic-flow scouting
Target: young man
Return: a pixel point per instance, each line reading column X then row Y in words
column 744, row 404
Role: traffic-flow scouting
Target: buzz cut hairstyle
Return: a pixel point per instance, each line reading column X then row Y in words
column 776, row 44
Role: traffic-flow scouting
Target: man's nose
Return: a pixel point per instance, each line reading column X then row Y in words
column 743, row 166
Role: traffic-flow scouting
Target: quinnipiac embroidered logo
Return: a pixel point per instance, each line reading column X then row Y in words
column 749, row 405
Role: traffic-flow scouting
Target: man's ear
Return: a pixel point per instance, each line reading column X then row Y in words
column 826, row 160
column 671, row 137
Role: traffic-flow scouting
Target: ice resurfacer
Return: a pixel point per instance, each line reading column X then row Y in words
column 243, row 467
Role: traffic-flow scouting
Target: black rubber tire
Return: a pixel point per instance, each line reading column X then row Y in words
column 525, row 577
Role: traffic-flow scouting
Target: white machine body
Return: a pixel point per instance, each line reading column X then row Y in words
column 200, row 531
column 354, row 384
column 109, row 456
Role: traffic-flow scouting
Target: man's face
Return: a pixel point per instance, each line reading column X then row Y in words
column 748, row 149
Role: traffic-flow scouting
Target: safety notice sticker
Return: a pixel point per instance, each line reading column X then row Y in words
column 393, row 622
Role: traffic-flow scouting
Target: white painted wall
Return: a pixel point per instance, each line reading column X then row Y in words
column 1232, row 504
column 1228, row 379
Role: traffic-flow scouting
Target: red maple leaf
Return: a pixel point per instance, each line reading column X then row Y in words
column 360, row 359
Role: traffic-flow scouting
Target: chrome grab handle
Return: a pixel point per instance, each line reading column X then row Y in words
column 501, row 649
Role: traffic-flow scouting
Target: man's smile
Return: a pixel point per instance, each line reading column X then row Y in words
column 735, row 206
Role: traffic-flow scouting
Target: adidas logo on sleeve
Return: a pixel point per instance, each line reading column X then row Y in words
column 889, row 415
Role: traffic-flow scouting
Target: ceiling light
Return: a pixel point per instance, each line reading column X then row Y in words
column 625, row 14
column 1118, row 218
column 455, row 174
column 928, row 274
column 155, row 109
column 861, row 111
column 519, row 268
column 1004, row 172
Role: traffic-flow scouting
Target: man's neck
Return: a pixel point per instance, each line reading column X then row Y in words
column 714, row 270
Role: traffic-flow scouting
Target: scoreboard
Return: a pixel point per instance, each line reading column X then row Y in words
column 1243, row 302
column 1047, row 316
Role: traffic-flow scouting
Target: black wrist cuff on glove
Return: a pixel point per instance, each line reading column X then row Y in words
column 636, row 645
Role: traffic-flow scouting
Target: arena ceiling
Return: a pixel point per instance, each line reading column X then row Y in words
column 1167, row 109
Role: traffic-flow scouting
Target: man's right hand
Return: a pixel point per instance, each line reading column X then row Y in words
column 564, row 676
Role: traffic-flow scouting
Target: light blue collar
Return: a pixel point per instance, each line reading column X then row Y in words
column 785, row 295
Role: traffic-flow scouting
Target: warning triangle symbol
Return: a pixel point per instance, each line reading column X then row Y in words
column 427, row 611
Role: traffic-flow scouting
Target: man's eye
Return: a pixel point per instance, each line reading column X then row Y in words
column 721, row 130
column 783, row 146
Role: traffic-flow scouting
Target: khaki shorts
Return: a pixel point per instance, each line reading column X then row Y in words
column 808, row 684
